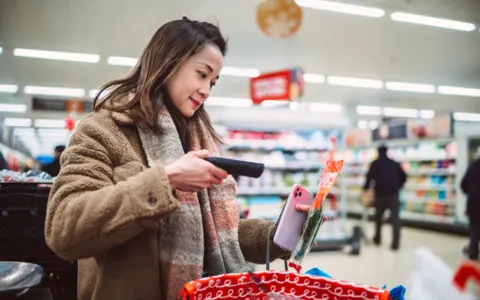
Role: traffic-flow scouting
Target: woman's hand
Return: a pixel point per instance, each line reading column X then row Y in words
column 303, row 207
column 191, row 173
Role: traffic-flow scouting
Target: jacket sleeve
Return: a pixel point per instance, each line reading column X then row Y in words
column 402, row 176
column 253, row 235
column 370, row 176
column 87, row 214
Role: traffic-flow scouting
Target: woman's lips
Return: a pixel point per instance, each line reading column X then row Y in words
column 196, row 103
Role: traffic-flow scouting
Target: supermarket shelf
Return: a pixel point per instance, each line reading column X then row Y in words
column 295, row 166
column 444, row 224
column 275, row 191
column 267, row 148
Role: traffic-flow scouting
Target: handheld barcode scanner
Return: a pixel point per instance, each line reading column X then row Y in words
column 238, row 167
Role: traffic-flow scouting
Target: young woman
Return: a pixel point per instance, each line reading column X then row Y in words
column 134, row 202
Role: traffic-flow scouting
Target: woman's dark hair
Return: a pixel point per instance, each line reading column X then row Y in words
column 169, row 47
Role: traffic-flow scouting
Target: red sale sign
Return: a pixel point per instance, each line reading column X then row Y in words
column 281, row 85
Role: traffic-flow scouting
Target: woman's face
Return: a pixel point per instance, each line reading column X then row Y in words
column 190, row 86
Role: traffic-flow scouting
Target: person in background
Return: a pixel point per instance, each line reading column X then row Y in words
column 470, row 185
column 53, row 168
column 135, row 202
column 387, row 178
column 3, row 162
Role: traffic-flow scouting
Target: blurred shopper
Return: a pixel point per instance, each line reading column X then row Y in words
column 387, row 178
column 471, row 186
column 3, row 162
column 53, row 168
column 135, row 202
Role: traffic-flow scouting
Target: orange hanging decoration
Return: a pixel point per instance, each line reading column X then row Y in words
column 279, row 18
column 69, row 124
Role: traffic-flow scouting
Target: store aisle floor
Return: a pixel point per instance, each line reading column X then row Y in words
column 379, row 265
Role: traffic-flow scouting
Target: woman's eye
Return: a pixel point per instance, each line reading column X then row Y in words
column 203, row 75
column 212, row 84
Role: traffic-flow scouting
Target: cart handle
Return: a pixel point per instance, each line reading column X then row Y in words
column 468, row 270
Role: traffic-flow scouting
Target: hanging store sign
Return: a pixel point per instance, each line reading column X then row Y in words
column 71, row 105
column 280, row 85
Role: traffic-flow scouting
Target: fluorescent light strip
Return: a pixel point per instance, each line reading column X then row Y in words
column 426, row 114
column 362, row 124
column 355, row 82
column 13, row 108
column 229, row 102
column 8, row 88
column 54, row 91
column 18, row 122
column 1, row 50
column 458, row 91
column 342, row 8
column 468, row 117
column 49, row 123
column 430, row 21
column 57, row 55
column 326, row 107
column 93, row 93
column 410, row 87
column 240, row 72
column 314, row 78
column 400, row 112
column 369, row 110
column 122, row 61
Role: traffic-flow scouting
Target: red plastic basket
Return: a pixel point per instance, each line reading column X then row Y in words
column 278, row 285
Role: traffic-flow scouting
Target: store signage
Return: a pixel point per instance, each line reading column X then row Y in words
column 390, row 131
column 438, row 127
column 73, row 105
column 280, row 85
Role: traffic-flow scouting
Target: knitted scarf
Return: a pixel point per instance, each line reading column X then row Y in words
column 203, row 233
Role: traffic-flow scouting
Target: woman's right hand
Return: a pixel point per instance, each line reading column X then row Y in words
column 191, row 173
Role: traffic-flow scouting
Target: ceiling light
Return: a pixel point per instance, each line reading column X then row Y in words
column 426, row 114
column 57, row 55
column 343, row 8
column 362, row 124
column 122, row 61
column 49, row 123
column 54, row 91
column 369, row 110
column 459, row 91
column 355, row 82
column 400, row 112
column 470, row 117
column 93, row 93
column 240, row 72
column 430, row 21
column 231, row 102
column 373, row 125
column 326, row 107
column 410, row 87
column 14, row 108
column 1, row 50
column 313, row 78
column 18, row 122
column 8, row 88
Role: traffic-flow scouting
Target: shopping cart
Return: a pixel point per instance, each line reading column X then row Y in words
column 23, row 208
column 433, row 279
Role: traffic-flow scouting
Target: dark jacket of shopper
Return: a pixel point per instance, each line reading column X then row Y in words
column 471, row 186
column 386, row 174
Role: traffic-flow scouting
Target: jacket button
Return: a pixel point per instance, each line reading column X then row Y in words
column 152, row 200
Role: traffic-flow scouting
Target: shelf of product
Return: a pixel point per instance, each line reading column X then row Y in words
column 290, row 157
column 429, row 194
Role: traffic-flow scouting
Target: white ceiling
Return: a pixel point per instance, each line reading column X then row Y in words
column 328, row 43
